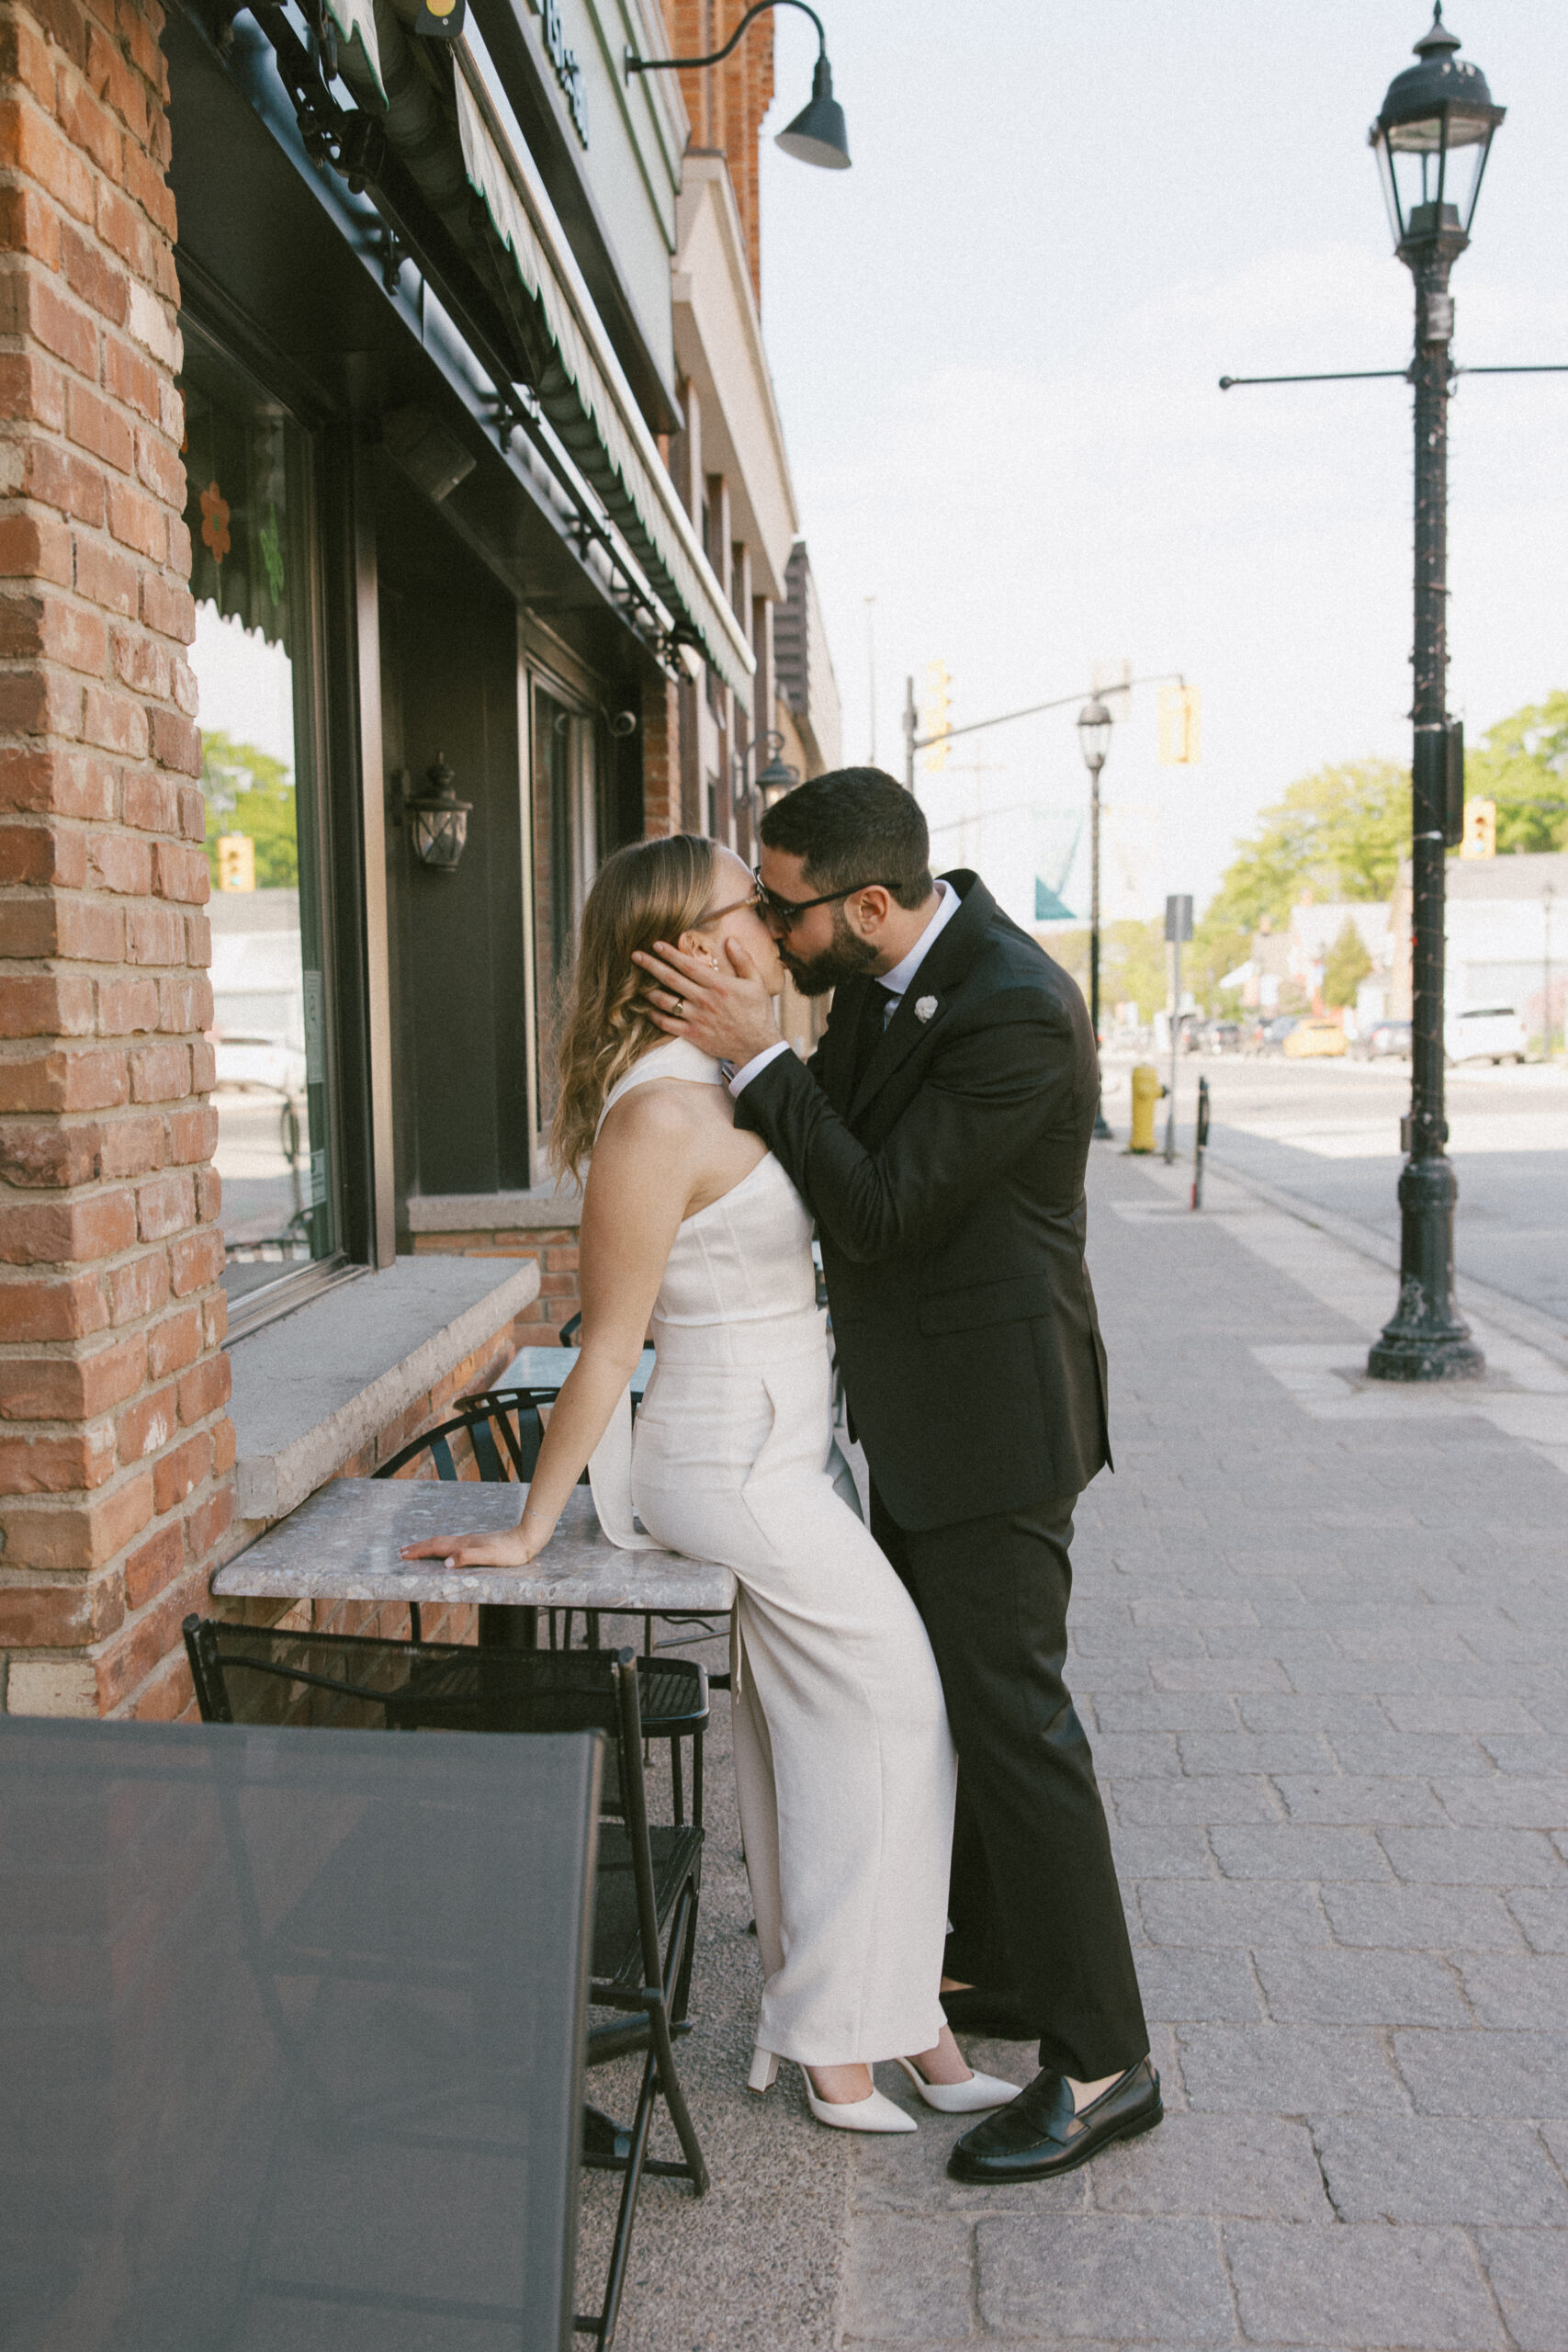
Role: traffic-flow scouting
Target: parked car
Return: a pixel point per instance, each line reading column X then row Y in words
column 1313, row 1038
column 1384, row 1040
column 269, row 1062
column 1489, row 1033
column 1270, row 1036
column 1219, row 1037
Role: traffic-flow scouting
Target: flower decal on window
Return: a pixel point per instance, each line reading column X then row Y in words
column 215, row 522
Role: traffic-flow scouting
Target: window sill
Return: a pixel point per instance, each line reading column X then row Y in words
column 543, row 1207
column 313, row 1389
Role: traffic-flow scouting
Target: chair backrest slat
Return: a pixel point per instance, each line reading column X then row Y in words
column 509, row 1414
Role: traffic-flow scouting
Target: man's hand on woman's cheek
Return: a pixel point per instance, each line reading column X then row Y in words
column 727, row 1014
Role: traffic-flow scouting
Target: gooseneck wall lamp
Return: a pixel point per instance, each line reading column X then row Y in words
column 1094, row 736
column 817, row 134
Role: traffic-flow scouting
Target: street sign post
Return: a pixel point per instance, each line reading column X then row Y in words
column 1177, row 927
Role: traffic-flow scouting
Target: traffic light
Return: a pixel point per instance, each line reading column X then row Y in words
column 936, row 711
column 1480, row 830
column 1178, row 726
column 236, row 862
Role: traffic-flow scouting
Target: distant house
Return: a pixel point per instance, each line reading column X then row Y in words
column 1508, row 935
column 1286, row 966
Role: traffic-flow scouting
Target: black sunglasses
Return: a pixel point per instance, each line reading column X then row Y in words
column 789, row 910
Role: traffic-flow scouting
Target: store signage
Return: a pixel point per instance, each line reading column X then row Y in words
column 568, row 72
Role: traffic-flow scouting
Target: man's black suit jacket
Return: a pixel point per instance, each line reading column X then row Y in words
column 948, row 1188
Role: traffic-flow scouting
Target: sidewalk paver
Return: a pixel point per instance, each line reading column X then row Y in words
column 1320, row 1645
column 1319, row 1641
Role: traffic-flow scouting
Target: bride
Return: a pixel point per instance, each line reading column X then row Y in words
column 843, row 1763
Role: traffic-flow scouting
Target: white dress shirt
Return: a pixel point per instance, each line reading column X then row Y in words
column 895, row 984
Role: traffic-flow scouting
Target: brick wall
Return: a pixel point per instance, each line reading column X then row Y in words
column 660, row 757
column 554, row 1247
column 115, row 1449
column 724, row 103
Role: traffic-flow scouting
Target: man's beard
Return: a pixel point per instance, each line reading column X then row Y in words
column 846, row 959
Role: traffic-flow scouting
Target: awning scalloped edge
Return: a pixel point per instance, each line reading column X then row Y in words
column 605, row 434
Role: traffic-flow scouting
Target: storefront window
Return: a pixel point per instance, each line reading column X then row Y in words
column 568, row 834
column 247, row 512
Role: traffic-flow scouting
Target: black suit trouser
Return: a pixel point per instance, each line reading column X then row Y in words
column 1034, row 1904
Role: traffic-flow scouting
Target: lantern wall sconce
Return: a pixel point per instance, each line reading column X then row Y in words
column 438, row 820
column 777, row 778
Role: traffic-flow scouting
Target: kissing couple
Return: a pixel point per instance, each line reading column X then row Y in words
column 938, row 1140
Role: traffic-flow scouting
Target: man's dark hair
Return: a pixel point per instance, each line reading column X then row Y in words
column 853, row 826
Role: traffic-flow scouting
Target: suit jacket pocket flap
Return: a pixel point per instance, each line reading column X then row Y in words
column 1017, row 1301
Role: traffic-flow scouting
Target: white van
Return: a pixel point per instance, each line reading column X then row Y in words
column 1492, row 1032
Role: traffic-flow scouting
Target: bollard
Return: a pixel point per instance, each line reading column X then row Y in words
column 1146, row 1091
column 1199, row 1143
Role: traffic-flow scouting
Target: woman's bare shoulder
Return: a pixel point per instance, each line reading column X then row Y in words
column 666, row 1113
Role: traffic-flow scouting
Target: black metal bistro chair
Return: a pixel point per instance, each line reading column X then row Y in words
column 649, row 1875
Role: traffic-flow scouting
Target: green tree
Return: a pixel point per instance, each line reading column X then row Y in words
column 1522, row 764
column 1346, row 965
column 248, row 791
column 1218, row 947
column 1132, row 965
column 1339, row 833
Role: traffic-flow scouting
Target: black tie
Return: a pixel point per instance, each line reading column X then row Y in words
column 869, row 1032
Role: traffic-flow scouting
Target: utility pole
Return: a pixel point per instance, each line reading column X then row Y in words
column 870, row 672
column 1546, row 895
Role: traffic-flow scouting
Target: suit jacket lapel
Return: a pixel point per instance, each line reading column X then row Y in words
column 938, row 975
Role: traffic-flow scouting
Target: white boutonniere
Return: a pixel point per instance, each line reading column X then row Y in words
column 924, row 1007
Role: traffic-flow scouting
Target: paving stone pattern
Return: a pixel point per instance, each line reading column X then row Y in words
column 1321, row 1653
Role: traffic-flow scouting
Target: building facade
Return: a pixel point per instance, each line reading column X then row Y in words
column 390, row 464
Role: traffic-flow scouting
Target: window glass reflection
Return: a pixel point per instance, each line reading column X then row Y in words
column 246, row 513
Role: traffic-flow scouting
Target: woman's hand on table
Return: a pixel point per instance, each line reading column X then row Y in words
column 514, row 1547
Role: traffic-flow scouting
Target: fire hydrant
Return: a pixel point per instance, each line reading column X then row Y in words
column 1146, row 1091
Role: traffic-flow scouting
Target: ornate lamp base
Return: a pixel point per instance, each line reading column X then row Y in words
column 1426, row 1339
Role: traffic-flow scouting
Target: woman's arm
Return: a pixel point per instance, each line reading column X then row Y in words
column 639, row 1182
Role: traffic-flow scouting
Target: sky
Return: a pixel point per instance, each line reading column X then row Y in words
column 996, row 343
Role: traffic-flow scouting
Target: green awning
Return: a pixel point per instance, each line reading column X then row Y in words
column 588, row 402
column 356, row 19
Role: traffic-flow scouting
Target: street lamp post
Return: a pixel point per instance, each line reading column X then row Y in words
column 1094, row 735
column 1432, row 139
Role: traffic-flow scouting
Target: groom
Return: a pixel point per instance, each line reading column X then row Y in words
column 940, row 1134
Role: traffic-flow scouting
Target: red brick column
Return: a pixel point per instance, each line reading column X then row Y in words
column 661, row 758
column 115, row 1450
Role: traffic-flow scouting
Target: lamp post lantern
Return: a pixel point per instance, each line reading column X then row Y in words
column 1432, row 139
column 1094, row 735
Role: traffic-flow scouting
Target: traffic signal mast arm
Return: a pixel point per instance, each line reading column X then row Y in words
column 1405, row 375
column 914, row 743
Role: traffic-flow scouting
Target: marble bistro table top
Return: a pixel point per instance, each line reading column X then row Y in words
column 342, row 1543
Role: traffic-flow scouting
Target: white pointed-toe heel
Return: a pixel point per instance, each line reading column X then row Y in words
column 979, row 2092
column 764, row 2071
column 873, row 2114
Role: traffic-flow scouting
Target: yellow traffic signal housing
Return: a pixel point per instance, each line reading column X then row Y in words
column 1178, row 726
column 236, row 862
column 1480, row 830
column 936, row 714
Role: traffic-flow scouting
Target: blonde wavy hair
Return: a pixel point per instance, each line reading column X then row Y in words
column 651, row 890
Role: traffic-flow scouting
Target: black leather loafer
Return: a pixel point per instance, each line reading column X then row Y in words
column 997, row 2015
column 1038, row 2135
